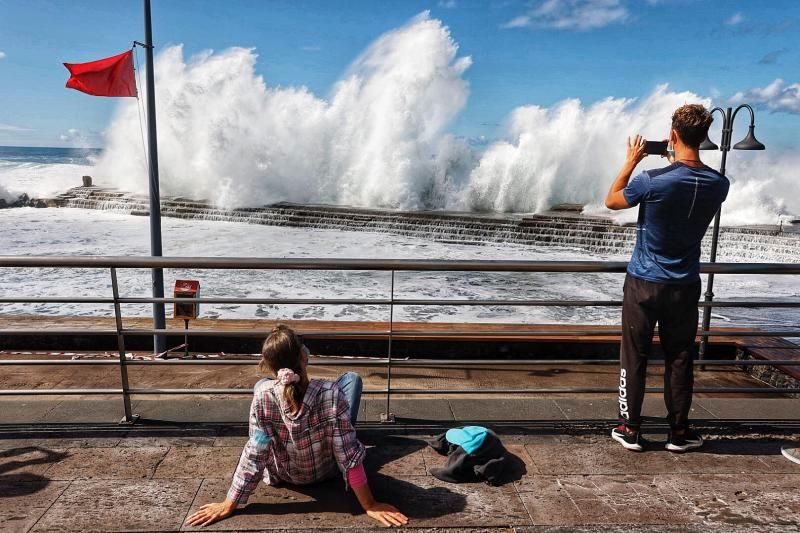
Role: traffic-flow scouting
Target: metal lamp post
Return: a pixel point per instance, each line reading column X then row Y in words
column 159, row 318
column 748, row 143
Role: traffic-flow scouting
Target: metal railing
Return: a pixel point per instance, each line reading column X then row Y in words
column 390, row 333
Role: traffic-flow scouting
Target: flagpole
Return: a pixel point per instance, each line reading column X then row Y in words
column 159, row 320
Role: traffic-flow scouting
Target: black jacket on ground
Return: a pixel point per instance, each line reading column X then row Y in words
column 485, row 464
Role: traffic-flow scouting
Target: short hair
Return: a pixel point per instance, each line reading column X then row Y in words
column 692, row 121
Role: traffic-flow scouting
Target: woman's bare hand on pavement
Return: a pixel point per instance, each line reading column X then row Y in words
column 210, row 513
column 387, row 514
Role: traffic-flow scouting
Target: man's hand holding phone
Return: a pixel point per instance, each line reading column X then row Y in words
column 636, row 150
column 656, row 148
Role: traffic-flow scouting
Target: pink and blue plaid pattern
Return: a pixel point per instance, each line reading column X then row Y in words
column 305, row 448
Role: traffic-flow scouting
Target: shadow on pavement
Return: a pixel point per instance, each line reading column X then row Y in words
column 414, row 501
column 514, row 470
column 25, row 483
column 740, row 447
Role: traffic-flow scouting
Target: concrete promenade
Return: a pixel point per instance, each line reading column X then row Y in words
column 65, row 465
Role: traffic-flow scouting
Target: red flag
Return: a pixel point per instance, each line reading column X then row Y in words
column 112, row 76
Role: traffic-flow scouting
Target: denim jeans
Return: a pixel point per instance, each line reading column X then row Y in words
column 351, row 385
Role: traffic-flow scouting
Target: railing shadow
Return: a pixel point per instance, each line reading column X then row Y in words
column 737, row 446
column 25, row 483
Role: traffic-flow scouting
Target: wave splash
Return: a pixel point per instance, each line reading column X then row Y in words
column 380, row 139
column 226, row 136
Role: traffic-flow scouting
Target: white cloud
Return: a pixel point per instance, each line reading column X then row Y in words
column 777, row 96
column 2, row 55
column 518, row 22
column 572, row 14
column 77, row 138
column 311, row 48
column 448, row 4
column 11, row 127
column 734, row 19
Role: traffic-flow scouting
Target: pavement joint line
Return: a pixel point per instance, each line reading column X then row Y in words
column 60, row 494
column 566, row 416
column 191, row 503
column 519, row 496
column 155, row 468
column 51, row 465
column 53, row 408
column 452, row 412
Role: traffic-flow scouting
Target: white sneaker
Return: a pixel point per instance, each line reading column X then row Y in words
column 792, row 453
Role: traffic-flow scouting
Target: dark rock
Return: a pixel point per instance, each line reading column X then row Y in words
column 23, row 200
column 87, row 181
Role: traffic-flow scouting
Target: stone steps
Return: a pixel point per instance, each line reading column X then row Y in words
column 570, row 230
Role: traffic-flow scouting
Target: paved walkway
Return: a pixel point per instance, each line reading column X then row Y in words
column 86, row 474
column 153, row 483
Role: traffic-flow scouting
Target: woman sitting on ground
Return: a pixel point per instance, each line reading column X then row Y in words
column 301, row 432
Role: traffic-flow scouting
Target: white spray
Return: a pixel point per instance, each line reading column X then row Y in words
column 227, row 137
column 380, row 138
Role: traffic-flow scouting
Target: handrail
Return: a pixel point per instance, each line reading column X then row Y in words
column 413, row 363
column 249, row 391
column 248, row 263
column 381, row 301
column 260, row 333
column 388, row 331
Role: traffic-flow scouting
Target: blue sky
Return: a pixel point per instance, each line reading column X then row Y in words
column 523, row 52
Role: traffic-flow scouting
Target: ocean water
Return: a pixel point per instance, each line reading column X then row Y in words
column 85, row 232
column 48, row 171
column 43, row 172
column 31, row 155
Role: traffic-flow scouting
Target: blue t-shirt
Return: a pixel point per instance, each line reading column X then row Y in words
column 677, row 203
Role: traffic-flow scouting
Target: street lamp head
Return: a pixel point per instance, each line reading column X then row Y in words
column 708, row 145
column 750, row 142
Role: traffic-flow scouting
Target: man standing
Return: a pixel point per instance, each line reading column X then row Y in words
column 662, row 285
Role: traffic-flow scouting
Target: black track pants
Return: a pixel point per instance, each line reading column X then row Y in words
column 674, row 308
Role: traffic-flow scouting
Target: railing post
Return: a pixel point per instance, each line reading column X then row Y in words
column 129, row 417
column 388, row 416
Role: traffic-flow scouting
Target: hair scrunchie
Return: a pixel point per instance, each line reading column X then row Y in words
column 286, row 376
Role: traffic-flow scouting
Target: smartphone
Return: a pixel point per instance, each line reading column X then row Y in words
column 655, row 147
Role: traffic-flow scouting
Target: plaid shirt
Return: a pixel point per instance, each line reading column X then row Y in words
column 300, row 449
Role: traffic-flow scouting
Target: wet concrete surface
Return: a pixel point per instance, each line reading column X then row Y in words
column 558, row 483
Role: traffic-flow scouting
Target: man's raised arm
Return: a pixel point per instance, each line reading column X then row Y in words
column 615, row 199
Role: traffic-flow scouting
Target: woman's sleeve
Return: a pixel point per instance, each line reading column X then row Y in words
column 357, row 477
column 254, row 456
column 347, row 449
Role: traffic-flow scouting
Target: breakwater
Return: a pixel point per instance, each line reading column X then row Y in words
column 562, row 227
